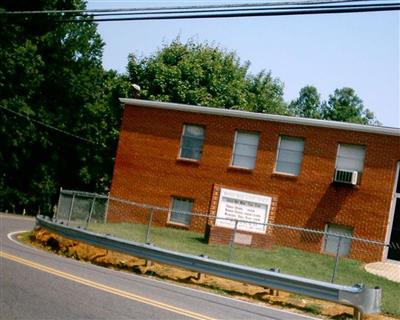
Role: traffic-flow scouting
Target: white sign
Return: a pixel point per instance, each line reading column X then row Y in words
column 248, row 207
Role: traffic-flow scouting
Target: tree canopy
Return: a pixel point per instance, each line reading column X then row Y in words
column 308, row 104
column 52, row 73
column 345, row 105
column 202, row 74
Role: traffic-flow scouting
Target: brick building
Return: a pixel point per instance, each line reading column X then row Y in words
column 315, row 174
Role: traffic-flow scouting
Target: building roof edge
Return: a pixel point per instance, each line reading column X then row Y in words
column 262, row 116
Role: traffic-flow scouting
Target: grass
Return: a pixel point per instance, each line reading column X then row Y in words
column 25, row 236
column 289, row 260
column 313, row 308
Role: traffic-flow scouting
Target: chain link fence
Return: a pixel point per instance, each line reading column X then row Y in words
column 315, row 254
column 81, row 208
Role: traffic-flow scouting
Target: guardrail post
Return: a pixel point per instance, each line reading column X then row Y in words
column 357, row 315
column 200, row 275
column 336, row 260
column 148, row 263
column 231, row 245
column 70, row 209
column 147, row 239
column 274, row 292
column 90, row 212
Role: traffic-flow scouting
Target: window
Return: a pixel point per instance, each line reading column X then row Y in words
column 332, row 242
column 245, row 149
column 350, row 157
column 192, row 142
column 181, row 211
column 290, row 155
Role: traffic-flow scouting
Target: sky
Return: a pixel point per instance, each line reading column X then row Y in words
column 358, row 50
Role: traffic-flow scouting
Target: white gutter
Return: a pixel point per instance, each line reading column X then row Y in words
column 263, row 116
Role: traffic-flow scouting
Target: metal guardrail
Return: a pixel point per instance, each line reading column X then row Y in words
column 364, row 300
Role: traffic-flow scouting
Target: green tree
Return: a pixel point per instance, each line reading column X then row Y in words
column 345, row 105
column 105, row 116
column 308, row 104
column 202, row 74
column 264, row 94
column 51, row 71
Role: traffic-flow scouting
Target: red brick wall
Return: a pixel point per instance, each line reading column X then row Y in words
column 147, row 169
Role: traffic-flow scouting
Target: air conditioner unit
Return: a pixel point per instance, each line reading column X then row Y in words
column 346, row 176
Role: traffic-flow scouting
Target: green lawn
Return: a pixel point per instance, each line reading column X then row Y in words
column 290, row 261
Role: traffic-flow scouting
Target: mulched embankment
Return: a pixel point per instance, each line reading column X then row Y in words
column 116, row 260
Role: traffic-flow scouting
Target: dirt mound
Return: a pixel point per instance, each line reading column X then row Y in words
column 116, row 260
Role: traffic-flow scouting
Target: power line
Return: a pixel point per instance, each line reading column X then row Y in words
column 183, row 8
column 218, row 11
column 140, row 13
column 242, row 13
column 48, row 126
column 232, row 12
column 239, row 10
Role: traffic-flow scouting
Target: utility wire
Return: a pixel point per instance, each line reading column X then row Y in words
column 48, row 126
column 220, row 11
column 223, row 6
column 229, row 10
column 241, row 13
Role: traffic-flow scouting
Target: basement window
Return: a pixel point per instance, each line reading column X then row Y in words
column 181, row 211
column 334, row 243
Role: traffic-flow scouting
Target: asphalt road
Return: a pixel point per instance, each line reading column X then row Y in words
column 35, row 284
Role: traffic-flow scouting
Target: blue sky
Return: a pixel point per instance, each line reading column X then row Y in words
column 358, row 50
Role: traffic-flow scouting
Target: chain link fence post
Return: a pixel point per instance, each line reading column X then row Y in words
column 90, row 212
column 71, row 209
column 58, row 204
column 147, row 240
column 231, row 245
column 106, row 209
column 337, row 258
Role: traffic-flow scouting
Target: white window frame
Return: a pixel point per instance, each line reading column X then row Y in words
column 352, row 145
column 170, row 221
column 277, row 156
column 181, row 142
column 234, row 149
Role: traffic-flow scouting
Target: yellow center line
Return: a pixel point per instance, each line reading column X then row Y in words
column 105, row 288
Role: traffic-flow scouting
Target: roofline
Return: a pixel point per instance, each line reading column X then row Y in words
column 262, row 116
